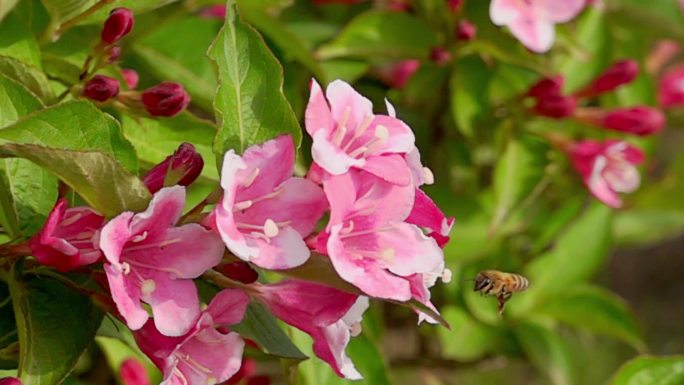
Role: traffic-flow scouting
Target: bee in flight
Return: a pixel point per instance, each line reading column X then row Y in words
column 500, row 284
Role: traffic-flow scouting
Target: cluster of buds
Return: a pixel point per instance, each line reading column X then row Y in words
column 165, row 99
column 609, row 167
column 383, row 235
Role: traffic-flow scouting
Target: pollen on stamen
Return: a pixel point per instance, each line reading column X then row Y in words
column 270, row 228
column 348, row 228
column 356, row 329
column 382, row 133
column 387, row 254
column 148, row 286
column 428, row 176
column 139, row 237
column 446, row 275
column 244, row 205
column 251, row 177
column 125, row 268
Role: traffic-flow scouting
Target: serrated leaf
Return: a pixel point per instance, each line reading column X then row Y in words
column 99, row 179
column 250, row 105
column 596, row 310
column 55, row 327
column 75, row 125
column 650, row 370
column 30, row 77
column 388, row 34
column 548, row 351
column 155, row 139
column 260, row 325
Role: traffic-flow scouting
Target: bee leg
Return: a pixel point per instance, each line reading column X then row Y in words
column 502, row 298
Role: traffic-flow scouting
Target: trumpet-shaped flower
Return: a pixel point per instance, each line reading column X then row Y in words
column 426, row 214
column 370, row 244
column 265, row 212
column 204, row 355
column 607, row 168
column 347, row 134
column 532, row 21
column 152, row 261
column 331, row 317
column 69, row 238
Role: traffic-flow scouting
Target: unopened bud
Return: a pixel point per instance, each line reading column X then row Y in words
column 101, row 88
column 133, row 373
column 440, row 56
column 118, row 24
column 622, row 72
column 181, row 168
column 640, row 120
column 10, row 381
column 671, row 88
column 114, row 53
column 239, row 271
column 547, row 87
column 165, row 99
column 466, row 30
column 557, row 107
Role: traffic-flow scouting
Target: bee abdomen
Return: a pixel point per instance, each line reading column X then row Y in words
column 521, row 283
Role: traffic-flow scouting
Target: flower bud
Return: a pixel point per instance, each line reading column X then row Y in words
column 547, row 87
column 10, row 381
column 165, row 99
column 557, row 106
column 440, row 56
column 671, row 88
column 640, row 120
column 401, row 72
column 217, row 11
column 239, row 271
column 130, row 77
column 118, row 24
column 133, row 373
column 622, row 72
column 454, row 5
column 114, row 54
column 466, row 30
column 101, row 88
column 182, row 168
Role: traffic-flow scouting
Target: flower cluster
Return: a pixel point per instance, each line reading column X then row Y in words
column 164, row 99
column 384, row 236
column 608, row 167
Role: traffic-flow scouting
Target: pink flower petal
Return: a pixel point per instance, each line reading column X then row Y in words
column 412, row 251
column 174, row 303
column 114, row 236
column 274, row 160
column 330, row 156
column 220, row 353
column 559, row 11
column 391, row 168
column 318, row 115
column 228, row 306
column 425, row 213
column 285, row 251
column 126, row 295
column 344, row 100
column 535, row 34
column 163, row 212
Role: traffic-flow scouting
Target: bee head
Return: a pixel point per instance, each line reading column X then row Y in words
column 481, row 282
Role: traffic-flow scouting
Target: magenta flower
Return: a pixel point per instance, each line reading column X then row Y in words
column 182, row 168
column 370, row 245
column 204, row 355
column 151, row 261
column 331, row 317
column 265, row 212
column 426, row 214
column 69, row 238
column 607, row 168
column 671, row 88
column 132, row 372
column 347, row 134
column 532, row 21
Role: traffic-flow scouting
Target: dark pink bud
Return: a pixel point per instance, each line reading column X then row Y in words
column 640, row 120
column 440, row 56
column 671, row 88
column 622, row 72
column 454, row 5
column 557, row 107
column 101, row 88
column 130, row 77
column 133, row 373
column 165, row 99
column 239, row 271
column 181, row 168
column 10, row 381
column 466, row 30
column 547, row 87
column 114, row 53
column 401, row 72
column 118, row 24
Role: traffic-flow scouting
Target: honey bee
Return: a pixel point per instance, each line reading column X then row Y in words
column 500, row 284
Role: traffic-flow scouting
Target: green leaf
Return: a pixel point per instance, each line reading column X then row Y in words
column 645, row 226
column 30, row 77
column 6, row 7
column 99, row 179
column 260, row 325
column 517, row 173
column 468, row 340
column 548, row 351
column 15, row 101
column 577, row 254
column 75, row 125
column 388, row 34
column 55, row 326
column 250, row 105
column 596, row 310
column 63, row 10
column 176, row 51
column 155, row 139
column 17, row 41
column 469, row 96
column 650, row 370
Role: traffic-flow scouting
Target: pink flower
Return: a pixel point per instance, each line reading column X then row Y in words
column 204, row 355
column 331, row 317
column 370, row 245
column 671, row 88
column 347, row 134
column 182, row 168
column 532, row 21
column 426, row 214
column 130, row 77
column 132, row 372
column 69, row 238
column 620, row 73
column 265, row 212
column 151, row 261
column 607, row 168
